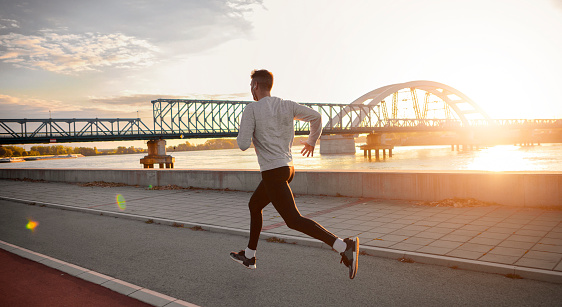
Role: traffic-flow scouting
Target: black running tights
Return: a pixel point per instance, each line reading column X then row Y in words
column 274, row 188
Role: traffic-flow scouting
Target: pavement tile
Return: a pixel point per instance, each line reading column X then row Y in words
column 473, row 247
column 551, row 241
column 508, row 251
column 429, row 235
column 536, row 263
column 379, row 243
column 499, row 258
column 440, row 230
column 385, row 230
column 558, row 267
column 479, row 228
column 494, row 235
column 531, row 233
column 547, row 248
column 406, row 246
column 469, row 233
column 395, row 238
column 537, row 227
column 524, row 238
column 434, row 250
column 446, row 244
column 420, row 241
column 402, row 232
column 371, row 235
column 464, row 254
column 554, row 235
column 450, row 225
column 555, row 257
column 457, row 238
column 416, row 227
column 360, row 227
column 501, row 230
column 485, row 241
column 517, row 244
column 426, row 223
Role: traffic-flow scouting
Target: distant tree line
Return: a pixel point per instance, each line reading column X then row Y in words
column 17, row 151
column 208, row 145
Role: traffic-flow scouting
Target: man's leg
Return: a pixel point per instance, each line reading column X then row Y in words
column 258, row 201
column 279, row 192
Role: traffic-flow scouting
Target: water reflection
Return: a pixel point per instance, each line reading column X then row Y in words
column 546, row 157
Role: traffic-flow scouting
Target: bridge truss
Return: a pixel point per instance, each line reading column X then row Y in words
column 203, row 118
column 25, row 131
column 405, row 107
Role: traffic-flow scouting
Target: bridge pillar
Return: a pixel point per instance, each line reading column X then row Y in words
column 157, row 154
column 337, row 144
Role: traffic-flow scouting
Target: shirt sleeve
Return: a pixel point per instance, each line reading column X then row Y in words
column 246, row 130
column 314, row 118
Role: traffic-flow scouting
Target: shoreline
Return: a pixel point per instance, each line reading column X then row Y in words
column 35, row 158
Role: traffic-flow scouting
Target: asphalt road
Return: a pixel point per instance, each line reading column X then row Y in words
column 194, row 266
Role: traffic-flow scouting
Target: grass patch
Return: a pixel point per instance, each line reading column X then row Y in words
column 101, row 184
column 276, row 240
column 406, row 260
column 177, row 225
column 151, row 221
column 457, row 203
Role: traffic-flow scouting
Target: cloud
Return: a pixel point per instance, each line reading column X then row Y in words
column 8, row 24
column 205, row 23
column 41, row 105
column 70, row 53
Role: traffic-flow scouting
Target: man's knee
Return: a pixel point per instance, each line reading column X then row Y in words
column 254, row 206
column 295, row 222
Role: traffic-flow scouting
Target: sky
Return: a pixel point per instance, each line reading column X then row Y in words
column 110, row 58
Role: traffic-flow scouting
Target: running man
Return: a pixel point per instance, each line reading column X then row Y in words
column 268, row 122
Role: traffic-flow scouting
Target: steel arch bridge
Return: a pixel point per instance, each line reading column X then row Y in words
column 455, row 105
column 391, row 108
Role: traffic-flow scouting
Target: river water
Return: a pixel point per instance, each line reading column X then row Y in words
column 546, row 157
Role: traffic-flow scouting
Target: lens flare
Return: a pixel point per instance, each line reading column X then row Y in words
column 121, row 202
column 31, row 225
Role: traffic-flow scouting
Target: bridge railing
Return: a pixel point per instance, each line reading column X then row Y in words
column 75, row 129
column 187, row 116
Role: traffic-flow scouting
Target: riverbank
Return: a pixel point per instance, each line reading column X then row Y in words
column 35, row 158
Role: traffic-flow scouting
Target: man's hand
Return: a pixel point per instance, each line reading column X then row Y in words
column 308, row 150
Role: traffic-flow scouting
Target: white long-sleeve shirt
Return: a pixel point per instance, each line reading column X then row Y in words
column 269, row 124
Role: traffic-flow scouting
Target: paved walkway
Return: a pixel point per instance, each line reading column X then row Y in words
column 522, row 241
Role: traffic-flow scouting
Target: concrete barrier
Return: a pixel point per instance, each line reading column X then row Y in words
column 526, row 189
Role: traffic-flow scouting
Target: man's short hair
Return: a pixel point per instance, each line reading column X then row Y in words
column 263, row 78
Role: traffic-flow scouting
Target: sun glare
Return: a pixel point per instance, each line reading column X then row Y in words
column 500, row 158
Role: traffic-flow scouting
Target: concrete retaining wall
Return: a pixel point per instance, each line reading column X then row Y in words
column 529, row 189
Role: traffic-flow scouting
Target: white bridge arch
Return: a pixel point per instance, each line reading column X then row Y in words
column 451, row 96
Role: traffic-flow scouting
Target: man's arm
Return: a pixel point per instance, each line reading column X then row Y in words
column 315, row 119
column 246, row 130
